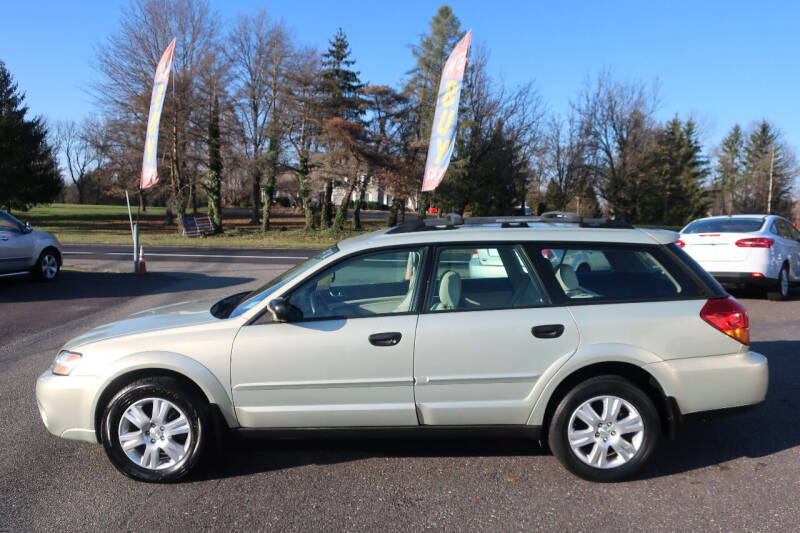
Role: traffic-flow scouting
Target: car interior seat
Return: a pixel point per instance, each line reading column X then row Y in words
column 449, row 291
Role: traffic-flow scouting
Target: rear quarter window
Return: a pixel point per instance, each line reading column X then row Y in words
column 586, row 273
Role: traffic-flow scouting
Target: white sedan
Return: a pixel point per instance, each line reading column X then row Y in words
column 746, row 250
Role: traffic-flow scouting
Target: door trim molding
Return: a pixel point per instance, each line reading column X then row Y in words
column 325, row 384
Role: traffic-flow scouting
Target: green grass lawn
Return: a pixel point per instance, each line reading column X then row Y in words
column 73, row 223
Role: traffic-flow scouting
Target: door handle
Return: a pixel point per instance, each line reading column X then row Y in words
column 550, row 331
column 385, row 339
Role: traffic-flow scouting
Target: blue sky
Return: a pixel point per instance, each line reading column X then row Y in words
column 720, row 62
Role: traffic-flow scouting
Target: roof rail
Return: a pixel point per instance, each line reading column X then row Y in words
column 454, row 220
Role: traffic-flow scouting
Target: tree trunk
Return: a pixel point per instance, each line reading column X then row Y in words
column 422, row 204
column 325, row 215
column 341, row 211
column 392, row 221
column 256, row 199
column 362, row 187
column 302, row 182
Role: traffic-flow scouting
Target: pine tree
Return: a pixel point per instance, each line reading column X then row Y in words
column 28, row 169
column 729, row 170
column 341, row 99
column 674, row 189
column 767, row 161
column 213, row 185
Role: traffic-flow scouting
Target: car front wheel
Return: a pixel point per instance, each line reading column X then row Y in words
column 155, row 430
column 47, row 266
column 604, row 429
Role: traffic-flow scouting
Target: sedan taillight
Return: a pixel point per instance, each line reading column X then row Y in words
column 755, row 242
column 680, row 243
column 728, row 316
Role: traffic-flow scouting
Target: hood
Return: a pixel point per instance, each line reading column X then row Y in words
column 178, row 315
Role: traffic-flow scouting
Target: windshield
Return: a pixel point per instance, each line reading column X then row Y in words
column 263, row 292
column 725, row 225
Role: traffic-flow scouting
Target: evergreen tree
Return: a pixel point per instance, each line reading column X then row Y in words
column 674, row 191
column 28, row 170
column 729, row 170
column 769, row 172
column 341, row 99
column 213, row 185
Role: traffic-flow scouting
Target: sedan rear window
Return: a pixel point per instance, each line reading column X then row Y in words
column 725, row 225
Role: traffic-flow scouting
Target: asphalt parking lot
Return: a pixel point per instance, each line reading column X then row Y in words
column 732, row 474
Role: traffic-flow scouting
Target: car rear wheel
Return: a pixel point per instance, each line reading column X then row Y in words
column 47, row 266
column 605, row 429
column 781, row 289
column 155, row 430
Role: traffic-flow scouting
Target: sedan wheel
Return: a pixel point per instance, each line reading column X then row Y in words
column 781, row 291
column 47, row 266
column 155, row 429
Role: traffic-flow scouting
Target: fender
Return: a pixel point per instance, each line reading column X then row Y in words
column 178, row 363
column 583, row 357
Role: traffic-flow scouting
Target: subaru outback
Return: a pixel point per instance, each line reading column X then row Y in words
column 396, row 332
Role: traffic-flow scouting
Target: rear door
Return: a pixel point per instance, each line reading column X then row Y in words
column 488, row 332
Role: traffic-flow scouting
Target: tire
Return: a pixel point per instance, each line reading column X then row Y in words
column 177, row 436
column 781, row 289
column 598, row 459
column 47, row 266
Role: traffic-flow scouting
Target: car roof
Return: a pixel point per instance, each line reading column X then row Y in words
column 495, row 233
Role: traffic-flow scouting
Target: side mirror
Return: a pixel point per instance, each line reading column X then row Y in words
column 279, row 310
column 27, row 228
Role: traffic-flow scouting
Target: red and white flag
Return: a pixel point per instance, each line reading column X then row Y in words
column 443, row 132
column 150, row 159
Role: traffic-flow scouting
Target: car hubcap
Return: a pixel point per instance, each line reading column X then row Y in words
column 155, row 433
column 784, row 283
column 49, row 266
column 605, row 432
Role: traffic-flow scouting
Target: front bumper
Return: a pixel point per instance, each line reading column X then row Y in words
column 743, row 279
column 713, row 383
column 65, row 404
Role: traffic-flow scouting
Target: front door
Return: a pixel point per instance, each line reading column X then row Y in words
column 486, row 336
column 346, row 356
column 16, row 248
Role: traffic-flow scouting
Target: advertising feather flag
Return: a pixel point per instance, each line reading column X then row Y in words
column 443, row 132
column 150, row 159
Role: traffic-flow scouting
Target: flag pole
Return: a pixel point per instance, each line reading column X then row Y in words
column 134, row 233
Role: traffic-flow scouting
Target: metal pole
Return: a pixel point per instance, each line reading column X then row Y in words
column 135, row 248
column 769, row 194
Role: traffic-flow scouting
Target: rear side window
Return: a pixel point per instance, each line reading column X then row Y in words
column 725, row 225
column 483, row 277
column 589, row 273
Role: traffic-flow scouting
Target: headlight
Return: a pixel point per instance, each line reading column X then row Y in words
column 65, row 362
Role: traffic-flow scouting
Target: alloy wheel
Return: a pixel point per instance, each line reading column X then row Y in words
column 49, row 266
column 605, row 432
column 155, row 433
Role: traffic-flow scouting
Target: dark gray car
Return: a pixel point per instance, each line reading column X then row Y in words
column 24, row 250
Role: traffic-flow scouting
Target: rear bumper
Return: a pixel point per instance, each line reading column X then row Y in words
column 701, row 385
column 742, row 279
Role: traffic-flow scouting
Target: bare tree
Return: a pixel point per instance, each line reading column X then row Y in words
column 78, row 152
column 127, row 62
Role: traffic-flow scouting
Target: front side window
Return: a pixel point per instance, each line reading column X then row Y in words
column 8, row 223
column 483, row 277
column 584, row 274
column 377, row 283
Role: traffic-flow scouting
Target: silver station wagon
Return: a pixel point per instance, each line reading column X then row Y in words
column 590, row 335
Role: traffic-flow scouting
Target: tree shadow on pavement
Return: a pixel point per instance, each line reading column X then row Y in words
column 756, row 434
column 73, row 285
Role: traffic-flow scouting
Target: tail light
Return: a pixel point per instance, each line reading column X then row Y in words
column 680, row 243
column 755, row 242
column 474, row 251
column 547, row 253
column 728, row 316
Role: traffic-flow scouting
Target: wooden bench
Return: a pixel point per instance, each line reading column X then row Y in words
column 197, row 226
